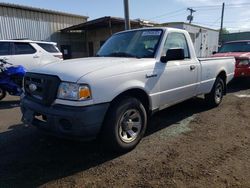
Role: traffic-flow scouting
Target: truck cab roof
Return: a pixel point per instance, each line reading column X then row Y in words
column 155, row 28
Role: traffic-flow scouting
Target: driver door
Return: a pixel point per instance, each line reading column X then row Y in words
column 179, row 78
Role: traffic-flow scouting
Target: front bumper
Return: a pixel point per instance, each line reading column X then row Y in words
column 82, row 123
column 242, row 72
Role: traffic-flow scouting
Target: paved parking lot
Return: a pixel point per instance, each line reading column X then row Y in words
column 186, row 145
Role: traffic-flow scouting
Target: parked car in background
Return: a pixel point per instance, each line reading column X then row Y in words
column 241, row 51
column 28, row 53
column 134, row 74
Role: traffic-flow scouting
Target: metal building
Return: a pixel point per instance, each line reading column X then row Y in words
column 17, row 22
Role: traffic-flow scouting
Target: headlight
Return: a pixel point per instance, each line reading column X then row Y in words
column 73, row 91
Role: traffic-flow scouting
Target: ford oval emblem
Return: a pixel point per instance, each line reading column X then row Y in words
column 32, row 87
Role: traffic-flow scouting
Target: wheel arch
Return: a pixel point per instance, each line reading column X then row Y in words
column 223, row 75
column 139, row 94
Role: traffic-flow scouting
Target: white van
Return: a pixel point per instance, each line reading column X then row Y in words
column 28, row 53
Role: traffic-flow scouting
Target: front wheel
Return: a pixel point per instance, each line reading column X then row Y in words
column 214, row 98
column 124, row 125
column 2, row 93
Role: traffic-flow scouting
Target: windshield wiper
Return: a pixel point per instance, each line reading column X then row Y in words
column 121, row 54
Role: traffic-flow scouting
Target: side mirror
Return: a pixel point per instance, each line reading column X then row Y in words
column 214, row 52
column 173, row 54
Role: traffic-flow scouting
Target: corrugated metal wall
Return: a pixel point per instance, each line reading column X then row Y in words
column 18, row 23
column 235, row 36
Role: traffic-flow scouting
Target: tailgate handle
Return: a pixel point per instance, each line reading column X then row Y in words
column 192, row 67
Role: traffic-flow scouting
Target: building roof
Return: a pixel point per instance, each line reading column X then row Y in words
column 184, row 23
column 106, row 22
column 29, row 8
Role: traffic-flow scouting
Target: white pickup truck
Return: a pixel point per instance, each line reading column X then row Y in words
column 111, row 96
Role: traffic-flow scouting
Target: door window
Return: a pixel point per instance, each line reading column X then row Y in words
column 23, row 48
column 176, row 40
column 49, row 47
column 5, row 48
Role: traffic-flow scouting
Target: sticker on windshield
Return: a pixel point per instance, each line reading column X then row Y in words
column 151, row 33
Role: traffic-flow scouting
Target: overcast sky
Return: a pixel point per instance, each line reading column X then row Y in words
column 208, row 12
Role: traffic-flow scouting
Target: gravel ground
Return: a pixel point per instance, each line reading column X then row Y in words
column 187, row 145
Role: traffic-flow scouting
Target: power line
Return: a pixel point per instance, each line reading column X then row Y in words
column 226, row 7
column 218, row 5
column 227, row 21
column 204, row 23
column 214, row 23
column 168, row 13
column 208, row 9
column 209, row 25
column 202, row 10
column 167, row 17
column 175, row 15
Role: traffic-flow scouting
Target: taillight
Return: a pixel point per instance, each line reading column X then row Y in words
column 59, row 56
column 242, row 63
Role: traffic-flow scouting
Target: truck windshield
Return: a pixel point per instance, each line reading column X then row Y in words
column 135, row 44
column 235, row 47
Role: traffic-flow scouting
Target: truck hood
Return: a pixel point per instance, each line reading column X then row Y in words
column 237, row 55
column 73, row 70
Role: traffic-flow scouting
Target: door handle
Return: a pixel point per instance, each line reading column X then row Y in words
column 151, row 75
column 192, row 67
column 35, row 56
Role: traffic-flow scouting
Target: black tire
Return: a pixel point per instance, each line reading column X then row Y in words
column 214, row 98
column 2, row 93
column 120, row 123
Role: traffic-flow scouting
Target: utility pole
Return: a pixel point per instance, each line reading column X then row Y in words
column 222, row 17
column 190, row 17
column 126, row 14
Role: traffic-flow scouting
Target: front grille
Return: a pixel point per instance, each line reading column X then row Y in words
column 41, row 88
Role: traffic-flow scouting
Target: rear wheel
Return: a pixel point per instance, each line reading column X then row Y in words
column 2, row 93
column 124, row 125
column 214, row 98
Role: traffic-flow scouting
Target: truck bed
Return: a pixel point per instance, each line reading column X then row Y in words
column 210, row 67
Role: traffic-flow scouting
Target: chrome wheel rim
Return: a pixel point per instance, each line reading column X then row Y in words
column 130, row 125
column 218, row 93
